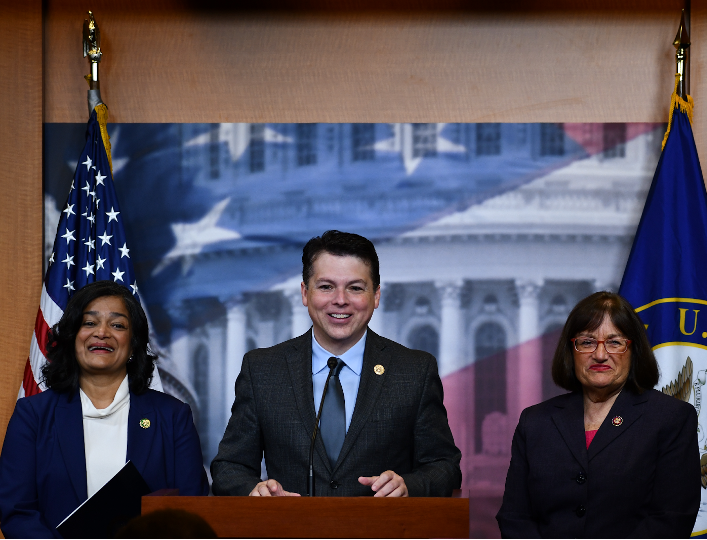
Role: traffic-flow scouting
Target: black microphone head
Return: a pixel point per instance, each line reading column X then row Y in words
column 331, row 363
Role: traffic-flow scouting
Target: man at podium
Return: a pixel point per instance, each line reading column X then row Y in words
column 383, row 429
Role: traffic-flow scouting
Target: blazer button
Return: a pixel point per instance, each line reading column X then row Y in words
column 333, row 484
column 580, row 511
column 581, row 478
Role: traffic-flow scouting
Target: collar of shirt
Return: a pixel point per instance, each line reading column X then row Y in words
column 121, row 400
column 353, row 357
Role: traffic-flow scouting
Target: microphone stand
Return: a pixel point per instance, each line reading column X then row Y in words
column 331, row 364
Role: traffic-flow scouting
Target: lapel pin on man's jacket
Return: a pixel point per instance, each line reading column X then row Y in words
column 379, row 370
column 145, row 423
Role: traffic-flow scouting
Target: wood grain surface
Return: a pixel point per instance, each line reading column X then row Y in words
column 176, row 66
column 20, row 191
column 325, row 517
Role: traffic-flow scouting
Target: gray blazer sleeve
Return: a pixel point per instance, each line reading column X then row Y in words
column 436, row 471
column 236, row 468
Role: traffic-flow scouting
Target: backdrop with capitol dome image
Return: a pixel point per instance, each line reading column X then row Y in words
column 488, row 234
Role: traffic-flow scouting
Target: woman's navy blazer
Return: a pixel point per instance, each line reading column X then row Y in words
column 43, row 464
column 639, row 478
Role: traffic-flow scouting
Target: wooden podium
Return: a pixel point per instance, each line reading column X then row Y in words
column 324, row 517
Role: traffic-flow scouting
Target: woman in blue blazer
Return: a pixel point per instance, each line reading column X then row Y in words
column 612, row 459
column 62, row 445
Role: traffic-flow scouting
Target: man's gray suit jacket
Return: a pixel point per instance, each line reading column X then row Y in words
column 399, row 423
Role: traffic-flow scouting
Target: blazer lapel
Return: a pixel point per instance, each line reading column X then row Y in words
column 626, row 410
column 69, row 422
column 299, row 362
column 569, row 420
column 140, row 438
column 369, row 389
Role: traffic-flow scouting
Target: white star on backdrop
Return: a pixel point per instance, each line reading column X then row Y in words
column 193, row 237
column 238, row 138
column 404, row 131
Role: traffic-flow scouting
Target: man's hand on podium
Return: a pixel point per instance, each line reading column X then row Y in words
column 388, row 484
column 270, row 488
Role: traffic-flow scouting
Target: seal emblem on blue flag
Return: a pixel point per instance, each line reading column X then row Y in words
column 665, row 274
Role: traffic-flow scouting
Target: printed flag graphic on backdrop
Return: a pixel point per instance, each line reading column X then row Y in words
column 90, row 246
column 665, row 274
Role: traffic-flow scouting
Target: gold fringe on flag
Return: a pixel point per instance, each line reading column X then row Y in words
column 675, row 102
column 102, row 115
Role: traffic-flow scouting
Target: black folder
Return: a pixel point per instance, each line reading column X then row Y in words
column 111, row 507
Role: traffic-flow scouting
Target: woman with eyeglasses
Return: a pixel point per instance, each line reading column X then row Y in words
column 612, row 458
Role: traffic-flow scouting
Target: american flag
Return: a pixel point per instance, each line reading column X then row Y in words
column 90, row 246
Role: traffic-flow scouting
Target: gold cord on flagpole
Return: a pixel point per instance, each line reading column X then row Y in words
column 675, row 102
column 102, row 115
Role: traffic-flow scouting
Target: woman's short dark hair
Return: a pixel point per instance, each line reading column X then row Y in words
column 340, row 244
column 587, row 316
column 61, row 373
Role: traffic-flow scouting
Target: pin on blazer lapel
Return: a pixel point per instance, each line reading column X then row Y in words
column 569, row 420
column 628, row 407
column 140, row 439
column 299, row 362
column 369, row 390
column 69, row 423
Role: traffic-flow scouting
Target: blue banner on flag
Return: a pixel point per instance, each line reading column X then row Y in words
column 665, row 280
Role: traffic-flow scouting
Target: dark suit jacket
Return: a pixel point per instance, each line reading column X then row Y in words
column 639, row 479
column 399, row 423
column 43, row 465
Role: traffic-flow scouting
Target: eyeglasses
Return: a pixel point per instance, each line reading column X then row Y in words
column 616, row 345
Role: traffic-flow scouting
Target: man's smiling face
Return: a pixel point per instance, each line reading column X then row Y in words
column 340, row 299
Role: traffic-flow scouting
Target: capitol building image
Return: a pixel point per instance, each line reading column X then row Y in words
column 544, row 215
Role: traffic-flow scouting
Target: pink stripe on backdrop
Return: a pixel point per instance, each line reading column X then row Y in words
column 520, row 378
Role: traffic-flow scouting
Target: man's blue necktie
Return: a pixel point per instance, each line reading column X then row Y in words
column 332, row 424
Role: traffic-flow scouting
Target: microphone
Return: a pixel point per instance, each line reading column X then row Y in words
column 331, row 364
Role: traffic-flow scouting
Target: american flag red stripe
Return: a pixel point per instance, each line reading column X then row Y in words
column 38, row 347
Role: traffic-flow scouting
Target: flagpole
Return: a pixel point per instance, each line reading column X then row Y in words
column 681, row 44
column 92, row 49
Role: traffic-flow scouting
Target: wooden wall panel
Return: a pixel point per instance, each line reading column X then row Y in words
column 170, row 65
column 20, row 190
column 698, row 74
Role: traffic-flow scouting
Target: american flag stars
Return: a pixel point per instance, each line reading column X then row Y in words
column 87, row 246
column 89, row 242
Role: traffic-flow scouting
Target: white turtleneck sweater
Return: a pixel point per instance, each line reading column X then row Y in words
column 105, row 436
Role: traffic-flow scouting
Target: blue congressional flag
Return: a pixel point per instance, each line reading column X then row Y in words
column 90, row 246
column 666, row 274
